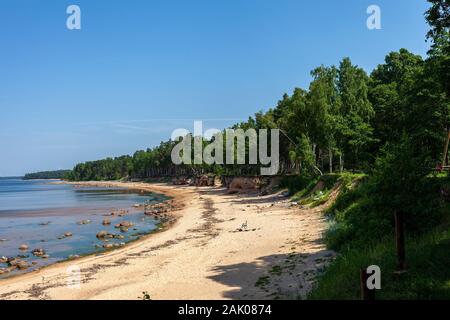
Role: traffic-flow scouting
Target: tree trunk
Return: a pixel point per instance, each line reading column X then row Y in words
column 400, row 240
column 314, row 152
column 341, row 162
column 444, row 156
column 330, row 155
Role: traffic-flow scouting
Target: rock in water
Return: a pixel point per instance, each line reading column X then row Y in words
column 13, row 262
column 38, row 252
column 22, row 265
column 126, row 224
column 102, row 234
column 68, row 234
column 23, row 247
column 106, row 222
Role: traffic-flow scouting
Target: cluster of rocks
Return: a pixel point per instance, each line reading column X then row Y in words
column 111, row 245
column 123, row 226
column 263, row 184
column 105, row 235
column 120, row 213
column 13, row 264
column 17, row 263
column 40, row 253
column 179, row 181
column 203, row 181
column 159, row 210
column 199, row 181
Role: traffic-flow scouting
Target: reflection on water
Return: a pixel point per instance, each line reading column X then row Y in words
column 38, row 214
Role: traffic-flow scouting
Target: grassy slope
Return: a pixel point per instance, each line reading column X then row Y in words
column 428, row 275
column 365, row 238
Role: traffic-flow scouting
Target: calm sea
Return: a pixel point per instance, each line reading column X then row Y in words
column 38, row 212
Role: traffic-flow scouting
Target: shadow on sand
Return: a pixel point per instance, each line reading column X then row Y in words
column 278, row 276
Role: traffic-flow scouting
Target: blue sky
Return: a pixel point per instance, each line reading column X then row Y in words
column 139, row 69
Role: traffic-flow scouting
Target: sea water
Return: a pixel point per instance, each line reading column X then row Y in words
column 38, row 213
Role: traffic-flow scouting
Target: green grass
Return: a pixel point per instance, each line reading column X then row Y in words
column 276, row 270
column 315, row 191
column 262, row 281
column 428, row 276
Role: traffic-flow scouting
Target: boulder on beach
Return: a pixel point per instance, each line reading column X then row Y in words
column 108, row 245
column 23, row 247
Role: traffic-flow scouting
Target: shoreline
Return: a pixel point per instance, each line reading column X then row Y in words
column 161, row 226
column 182, row 259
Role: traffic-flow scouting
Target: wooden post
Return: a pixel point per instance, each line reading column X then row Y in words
column 366, row 293
column 444, row 156
column 400, row 241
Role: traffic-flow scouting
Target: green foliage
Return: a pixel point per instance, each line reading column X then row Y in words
column 438, row 17
column 58, row 174
column 428, row 275
column 410, row 97
column 297, row 183
column 363, row 213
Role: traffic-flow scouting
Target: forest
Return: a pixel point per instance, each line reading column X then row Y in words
column 58, row 174
column 388, row 128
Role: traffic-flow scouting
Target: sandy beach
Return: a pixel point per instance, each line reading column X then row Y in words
column 201, row 255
